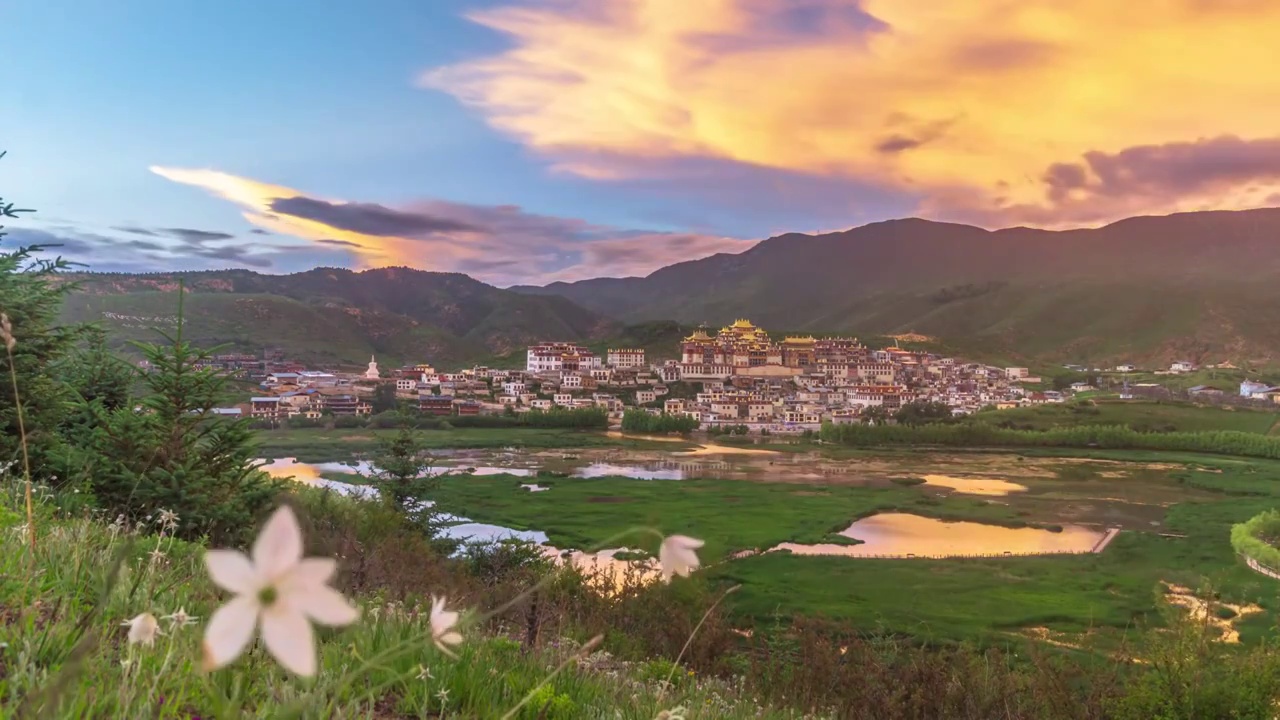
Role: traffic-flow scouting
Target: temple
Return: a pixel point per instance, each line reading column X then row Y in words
column 744, row 349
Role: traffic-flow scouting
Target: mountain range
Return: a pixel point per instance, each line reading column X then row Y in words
column 1201, row 286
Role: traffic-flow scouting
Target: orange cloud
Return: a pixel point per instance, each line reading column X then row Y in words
column 972, row 105
column 502, row 244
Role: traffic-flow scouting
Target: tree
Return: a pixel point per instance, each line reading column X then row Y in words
column 923, row 412
column 876, row 414
column 403, row 470
column 98, row 381
column 384, row 397
column 169, row 451
column 32, row 397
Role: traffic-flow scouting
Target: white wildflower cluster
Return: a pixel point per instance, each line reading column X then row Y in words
column 167, row 520
column 278, row 594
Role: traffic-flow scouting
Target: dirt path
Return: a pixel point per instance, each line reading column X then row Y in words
column 1275, row 428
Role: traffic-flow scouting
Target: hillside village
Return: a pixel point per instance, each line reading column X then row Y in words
column 737, row 377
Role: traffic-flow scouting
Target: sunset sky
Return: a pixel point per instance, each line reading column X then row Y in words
column 527, row 141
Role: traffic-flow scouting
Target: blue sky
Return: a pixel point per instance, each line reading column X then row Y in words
column 536, row 140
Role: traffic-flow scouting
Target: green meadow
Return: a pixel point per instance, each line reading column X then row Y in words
column 1176, row 510
column 324, row 444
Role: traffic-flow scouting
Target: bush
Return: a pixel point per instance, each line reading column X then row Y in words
column 641, row 421
column 349, row 421
column 1247, row 538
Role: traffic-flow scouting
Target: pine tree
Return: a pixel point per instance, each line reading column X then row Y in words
column 31, row 298
column 403, row 472
column 169, row 451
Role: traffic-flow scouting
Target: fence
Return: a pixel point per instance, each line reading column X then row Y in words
column 1259, row 567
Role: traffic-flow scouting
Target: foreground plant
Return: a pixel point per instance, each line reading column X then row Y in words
column 278, row 589
column 143, row 630
column 677, row 556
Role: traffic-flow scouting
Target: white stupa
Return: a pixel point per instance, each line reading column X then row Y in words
column 372, row 372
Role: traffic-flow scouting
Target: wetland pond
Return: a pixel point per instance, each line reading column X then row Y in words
column 606, row 568
column 989, row 477
column 907, row 535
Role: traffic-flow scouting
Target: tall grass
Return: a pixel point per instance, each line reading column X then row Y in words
column 63, row 649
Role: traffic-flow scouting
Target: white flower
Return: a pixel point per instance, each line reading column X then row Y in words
column 278, row 587
column 143, row 629
column 167, row 519
column 443, row 695
column 442, row 624
column 677, row 556
column 424, row 672
column 675, row 713
column 181, row 618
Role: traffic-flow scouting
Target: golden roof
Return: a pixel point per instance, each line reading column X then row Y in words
column 800, row 340
column 744, row 324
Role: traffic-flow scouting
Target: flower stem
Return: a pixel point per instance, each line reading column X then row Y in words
column 26, row 459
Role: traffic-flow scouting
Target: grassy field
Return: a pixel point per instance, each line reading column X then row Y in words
column 64, row 654
column 1136, row 414
column 730, row 515
column 1097, row 597
column 322, row 445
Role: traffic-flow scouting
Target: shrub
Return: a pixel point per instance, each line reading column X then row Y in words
column 641, row 421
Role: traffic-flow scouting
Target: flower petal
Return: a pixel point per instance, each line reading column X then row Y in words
column 323, row 605
column 232, row 571
column 279, row 546
column 288, row 637
column 311, row 572
column 229, row 631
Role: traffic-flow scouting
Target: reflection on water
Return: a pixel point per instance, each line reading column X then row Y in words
column 903, row 534
column 309, row 474
column 701, row 449
column 974, row 486
column 725, row 450
column 474, row 532
column 601, row 469
column 602, row 566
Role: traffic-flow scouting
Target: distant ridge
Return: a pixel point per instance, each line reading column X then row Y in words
column 334, row 315
column 1200, row 286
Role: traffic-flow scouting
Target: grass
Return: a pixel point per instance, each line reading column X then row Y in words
column 1168, row 416
column 63, row 651
column 322, row 445
column 1107, row 594
column 729, row 515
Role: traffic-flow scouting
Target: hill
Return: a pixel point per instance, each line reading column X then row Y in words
column 335, row 316
column 1200, row 286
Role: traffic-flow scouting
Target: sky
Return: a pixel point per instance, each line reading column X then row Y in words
column 533, row 141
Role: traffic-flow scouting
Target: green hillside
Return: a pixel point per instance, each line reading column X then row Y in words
column 334, row 317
